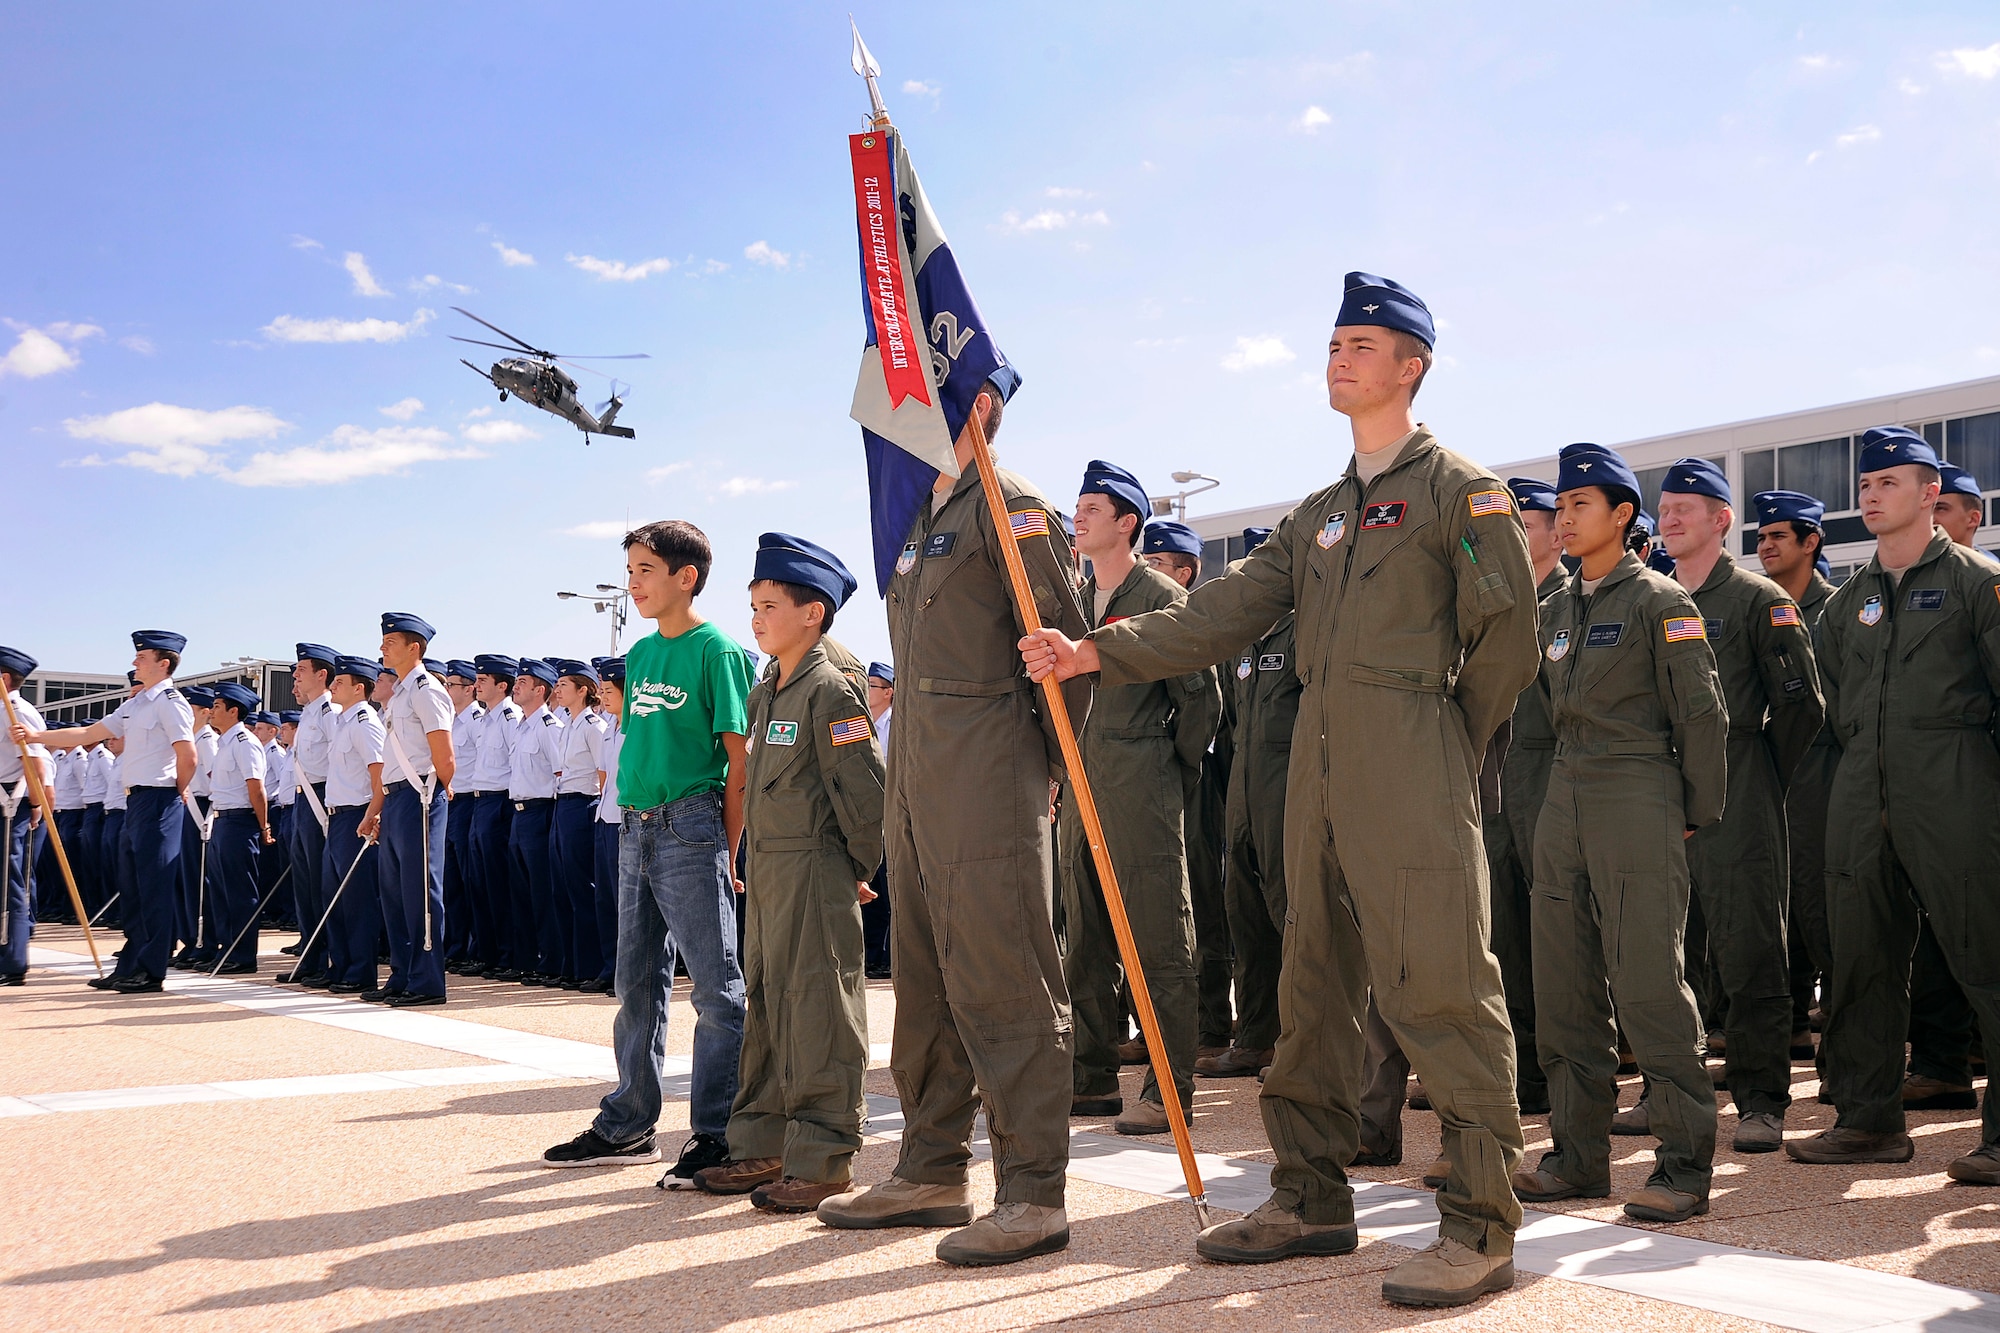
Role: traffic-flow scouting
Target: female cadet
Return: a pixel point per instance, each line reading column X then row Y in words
column 1640, row 727
column 572, row 836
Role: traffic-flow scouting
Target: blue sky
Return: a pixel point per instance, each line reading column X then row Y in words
column 228, row 405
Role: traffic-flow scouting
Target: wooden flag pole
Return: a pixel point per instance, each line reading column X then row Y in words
column 41, row 796
column 1086, row 806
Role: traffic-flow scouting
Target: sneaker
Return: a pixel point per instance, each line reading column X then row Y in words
column 792, row 1195
column 898, row 1203
column 1271, row 1233
column 1448, row 1272
column 592, row 1149
column 1011, row 1232
column 698, row 1153
column 1842, row 1146
column 740, row 1177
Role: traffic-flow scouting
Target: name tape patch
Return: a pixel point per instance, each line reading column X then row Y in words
column 1681, row 628
column 1605, row 635
column 940, row 544
column 1483, row 503
column 1271, row 662
column 1388, row 514
column 1926, row 599
column 849, row 730
column 782, row 733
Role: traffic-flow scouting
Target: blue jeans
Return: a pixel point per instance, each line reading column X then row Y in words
column 674, row 883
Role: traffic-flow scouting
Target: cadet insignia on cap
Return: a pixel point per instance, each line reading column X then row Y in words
column 1028, row 523
column 907, row 561
column 782, row 733
column 853, row 729
column 1559, row 649
column 1680, row 628
column 1483, row 503
column 1336, row 527
column 1871, row 610
column 1243, row 668
column 1782, row 616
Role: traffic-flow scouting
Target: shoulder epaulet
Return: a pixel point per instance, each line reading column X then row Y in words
column 548, row 719
column 171, row 692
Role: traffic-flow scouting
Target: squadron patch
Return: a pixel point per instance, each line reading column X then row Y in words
column 1784, row 615
column 782, row 733
column 1335, row 529
column 1243, row 668
column 1559, row 648
column 1388, row 514
column 849, row 730
column 1483, row 503
column 1681, row 628
column 1871, row 610
column 907, row 561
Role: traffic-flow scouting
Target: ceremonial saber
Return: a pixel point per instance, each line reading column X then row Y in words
column 41, row 796
column 327, row 915
column 223, row 961
column 102, row 910
column 424, row 804
column 201, row 872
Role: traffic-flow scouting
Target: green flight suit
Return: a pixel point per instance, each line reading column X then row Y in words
column 1265, row 683
column 1214, row 946
column 1415, row 634
column 1811, row 956
column 1770, row 689
column 813, row 820
column 981, row 1009
column 1143, row 749
column 1912, row 672
column 1641, row 756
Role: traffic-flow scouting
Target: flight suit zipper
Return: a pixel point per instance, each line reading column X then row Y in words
column 1882, row 701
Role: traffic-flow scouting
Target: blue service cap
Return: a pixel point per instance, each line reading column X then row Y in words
column 1884, row 447
column 1102, row 478
column 496, row 664
column 1386, row 305
column 263, row 717
column 386, row 669
column 1006, row 379
column 198, row 696
column 788, row 559
column 1647, row 524
column 1658, row 559
column 1697, row 476
column 319, row 652
column 407, row 622
column 435, row 667
column 291, row 716
column 1532, row 493
column 882, row 671
column 18, row 662
column 1068, row 526
column 159, row 640
column 1254, row 538
column 610, row 668
column 1787, row 507
column 1824, row 566
column 1593, row 465
column 570, row 666
column 364, row 669
column 540, row 670
column 460, row 669
column 131, row 678
column 1165, row 534
column 1957, row 481
column 237, row 693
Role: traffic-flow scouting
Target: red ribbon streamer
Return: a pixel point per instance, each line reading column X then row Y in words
column 882, row 270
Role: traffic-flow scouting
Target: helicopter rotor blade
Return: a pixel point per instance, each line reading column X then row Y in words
column 497, row 329
column 511, row 351
column 619, row 356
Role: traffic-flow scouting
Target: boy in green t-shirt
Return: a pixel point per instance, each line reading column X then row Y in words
column 815, row 823
column 680, row 785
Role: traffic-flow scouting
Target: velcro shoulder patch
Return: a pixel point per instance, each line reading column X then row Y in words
column 1784, row 614
column 1680, row 628
column 849, row 730
column 1483, row 503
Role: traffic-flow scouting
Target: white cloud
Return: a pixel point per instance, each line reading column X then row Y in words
column 1051, row 219
column 479, row 412
column 1252, row 353
column 1860, row 134
column 1311, row 119
column 760, row 252
column 290, row 329
column 137, row 343
column 1909, row 87
column 35, row 354
column 738, row 487
column 617, row 270
column 511, row 257
column 661, row 473
column 402, row 411
column 72, row 333
column 431, row 282
column 918, row 88
column 601, row 530
column 1980, row 62
column 175, row 440
column 499, row 432
column 364, row 281
column 348, row 454
column 709, row 266
column 1065, row 192
column 305, row 243
column 1816, row 62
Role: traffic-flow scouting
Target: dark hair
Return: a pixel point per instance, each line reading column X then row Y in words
column 1622, row 495
column 1119, row 509
column 13, row 681
column 997, row 405
column 1182, row 560
column 800, row 595
column 1409, row 345
column 223, row 702
column 1802, row 530
column 167, row 655
column 588, row 686
column 367, row 685
column 505, row 681
column 407, row 637
column 679, row 543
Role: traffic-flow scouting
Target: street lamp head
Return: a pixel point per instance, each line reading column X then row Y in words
column 568, row 596
column 609, row 587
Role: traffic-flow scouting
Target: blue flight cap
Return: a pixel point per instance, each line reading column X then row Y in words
column 237, row 693
column 1006, row 379
column 131, row 678
column 435, row 667
column 1385, row 305
column 198, row 696
column 318, row 652
column 460, row 669
column 1254, row 538
column 540, row 670
column 407, row 622
column 1658, row 559
column 159, row 640
column 1531, row 493
column 883, row 672
column 363, row 669
column 1884, row 447
column 1824, row 566
column 388, row 670
column 784, row 558
column 291, row 716
column 610, row 668
column 1788, row 507
column 1164, row 534
column 263, row 717
column 569, row 666
column 18, row 662
column 1647, row 524
column 1593, row 465
column 1697, row 476
column 1102, row 478
column 1068, row 526
column 1957, row 481
column 496, row 664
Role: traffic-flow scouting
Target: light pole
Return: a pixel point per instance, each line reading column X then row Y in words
column 608, row 597
column 1176, row 504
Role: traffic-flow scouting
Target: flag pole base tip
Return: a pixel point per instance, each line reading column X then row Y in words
column 1200, row 1212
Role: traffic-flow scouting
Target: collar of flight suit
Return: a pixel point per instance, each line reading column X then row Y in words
column 1628, row 565
column 1939, row 544
column 1725, row 565
column 1132, row 579
column 814, row 655
column 1419, row 443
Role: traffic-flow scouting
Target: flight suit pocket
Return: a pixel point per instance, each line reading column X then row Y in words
column 1433, row 939
column 1694, row 688
column 1969, row 929
column 1643, row 952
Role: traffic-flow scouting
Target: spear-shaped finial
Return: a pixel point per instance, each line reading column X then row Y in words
column 865, row 66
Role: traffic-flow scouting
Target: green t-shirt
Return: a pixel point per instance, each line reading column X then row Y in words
column 682, row 695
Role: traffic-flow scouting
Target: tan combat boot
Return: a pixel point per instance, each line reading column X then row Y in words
column 1450, row 1272
column 1839, row 1146
column 1234, row 1062
column 1981, row 1166
column 899, row 1203
column 1142, row 1117
column 1011, row 1232
column 1274, row 1232
column 739, row 1177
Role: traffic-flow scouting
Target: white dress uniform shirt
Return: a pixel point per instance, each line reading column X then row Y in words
column 467, row 729
column 882, row 730
column 239, row 757
column 150, row 722
column 607, row 804
column 314, row 738
column 11, row 773
column 496, row 747
column 69, row 766
column 204, row 759
column 582, row 754
column 357, row 743
column 114, row 794
column 418, row 706
column 281, row 785
column 537, row 755
column 96, row 775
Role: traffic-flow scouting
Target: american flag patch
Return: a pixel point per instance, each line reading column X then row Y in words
column 1028, row 523
column 850, row 730
column 1784, row 615
column 1685, row 627
column 1490, row 502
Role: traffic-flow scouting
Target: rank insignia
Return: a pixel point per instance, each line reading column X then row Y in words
column 849, row 730
column 1871, row 610
column 1335, row 529
column 1559, row 649
column 782, row 733
column 907, row 561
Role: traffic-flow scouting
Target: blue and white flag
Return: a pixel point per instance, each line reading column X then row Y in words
column 928, row 352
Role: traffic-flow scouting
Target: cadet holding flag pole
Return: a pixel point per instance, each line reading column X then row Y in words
column 22, row 766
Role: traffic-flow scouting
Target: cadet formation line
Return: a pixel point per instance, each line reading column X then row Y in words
column 1513, row 783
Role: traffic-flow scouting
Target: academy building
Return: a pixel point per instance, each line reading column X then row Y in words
column 70, row 698
column 1810, row 451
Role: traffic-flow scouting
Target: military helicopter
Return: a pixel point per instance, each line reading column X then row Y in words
column 530, row 374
